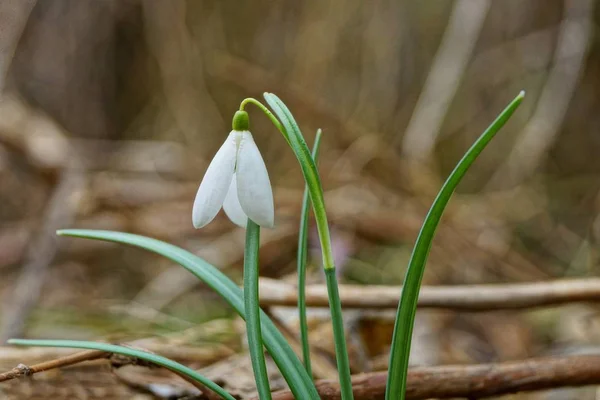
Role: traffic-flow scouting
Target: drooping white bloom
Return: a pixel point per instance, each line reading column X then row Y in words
column 237, row 180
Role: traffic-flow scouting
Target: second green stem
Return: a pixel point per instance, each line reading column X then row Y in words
column 290, row 130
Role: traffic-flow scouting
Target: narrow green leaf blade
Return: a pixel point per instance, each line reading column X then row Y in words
column 301, row 262
column 290, row 366
column 309, row 170
column 405, row 318
column 313, row 182
column 130, row 352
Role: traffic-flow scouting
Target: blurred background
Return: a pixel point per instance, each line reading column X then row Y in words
column 111, row 111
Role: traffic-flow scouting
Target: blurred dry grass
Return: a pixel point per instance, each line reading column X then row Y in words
column 112, row 110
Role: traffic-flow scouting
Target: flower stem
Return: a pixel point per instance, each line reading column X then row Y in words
column 268, row 113
column 252, row 310
column 288, row 127
column 302, row 256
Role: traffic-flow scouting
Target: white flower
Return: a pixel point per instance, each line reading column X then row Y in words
column 236, row 179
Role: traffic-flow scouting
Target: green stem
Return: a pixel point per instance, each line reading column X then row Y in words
column 252, row 310
column 302, row 257
column 291, row 132
column 130, row 352
column 335, row 307
column 407, row 308
column 268, row 113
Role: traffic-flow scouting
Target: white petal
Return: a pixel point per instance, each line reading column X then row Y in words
column 254, row 189
column 232, row 206
column 215, row 184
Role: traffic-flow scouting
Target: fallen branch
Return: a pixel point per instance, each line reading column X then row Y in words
column 116, row 360
column 458, row 297
column 198, row 355
column 23, row 370
column 473, row 381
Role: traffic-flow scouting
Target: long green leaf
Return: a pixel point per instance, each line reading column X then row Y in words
column 130, row 352
column 302, row 256
column 405, row 318
column 313, row 182
column 290, row 366
column 292, row 132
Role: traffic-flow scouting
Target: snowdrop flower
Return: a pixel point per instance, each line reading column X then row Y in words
column 237, row 180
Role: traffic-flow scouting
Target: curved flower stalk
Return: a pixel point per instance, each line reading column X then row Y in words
column 236, row 180
column 286, row 124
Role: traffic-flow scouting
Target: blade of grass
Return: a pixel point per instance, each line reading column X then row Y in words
column 291, row 368
column 302, row 257
column 291, row 130
column 130, row 352
column 405, row 318
column 252, row 308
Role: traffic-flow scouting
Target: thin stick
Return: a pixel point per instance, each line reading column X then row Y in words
column 438, row 382
column 473, row 381
column 458, row 297
column 23, row 370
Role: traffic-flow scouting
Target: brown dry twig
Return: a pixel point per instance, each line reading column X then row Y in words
column 23, row 370
column 473, row 381
column 477, row 381
column 458, row 297
column 88, row 355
